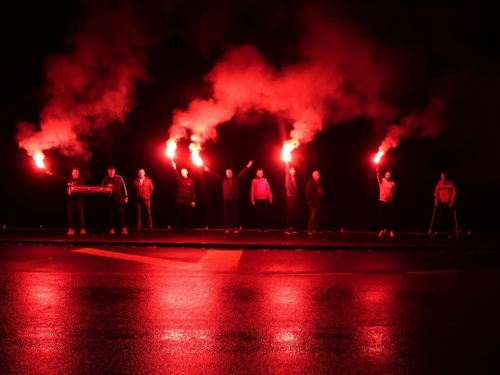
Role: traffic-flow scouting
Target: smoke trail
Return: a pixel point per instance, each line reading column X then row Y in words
column 91, row 86
column 341, row 76
column 427, row 122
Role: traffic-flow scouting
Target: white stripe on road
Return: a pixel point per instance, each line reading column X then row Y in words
column 213, row 260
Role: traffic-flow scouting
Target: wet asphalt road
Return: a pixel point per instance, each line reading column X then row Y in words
column 107, row 310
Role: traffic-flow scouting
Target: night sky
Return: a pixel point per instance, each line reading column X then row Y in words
column 400, row 55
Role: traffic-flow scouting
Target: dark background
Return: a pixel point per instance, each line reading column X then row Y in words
column 452, row 46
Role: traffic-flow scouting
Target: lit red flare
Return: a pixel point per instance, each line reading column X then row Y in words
column 195, row 154
column 170, row 150
column 288, row 147
column 377, row 157
column 38, row 157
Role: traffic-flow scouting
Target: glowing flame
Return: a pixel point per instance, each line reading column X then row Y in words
column 377, row 157
column 170, row 151
column 288, row 147
column 38, row 158
column 195, row 154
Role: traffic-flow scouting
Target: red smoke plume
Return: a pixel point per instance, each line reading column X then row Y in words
column 342, row 75
column 89, row 87
column 428, row 122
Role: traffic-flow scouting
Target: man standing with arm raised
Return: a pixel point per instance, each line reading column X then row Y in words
column 230, row 193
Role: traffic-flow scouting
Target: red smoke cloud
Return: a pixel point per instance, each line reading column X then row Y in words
column 342, row 75
column 89, row 87
column 428, row 122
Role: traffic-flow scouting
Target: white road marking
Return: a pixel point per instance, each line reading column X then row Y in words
column 213, row 260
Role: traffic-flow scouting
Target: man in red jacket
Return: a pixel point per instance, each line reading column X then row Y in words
column 143, row 190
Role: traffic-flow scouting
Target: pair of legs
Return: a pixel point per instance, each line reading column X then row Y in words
column 144, row 207
column 386, row 212
column 183, row 214
column 75, row 208
column 445, row 218
column 291, row 217
column 116, row 208
column 314, row 216
column 231, row 213
column 261, row 207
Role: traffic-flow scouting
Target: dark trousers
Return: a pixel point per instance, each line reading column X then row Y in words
column 231, row 213
column 314, row 216
column 116, row 206
column 291, row 216
column 75, row 208
column 183, row 213
column 146, row 207
column 386, row 215
column 261, row 207
column 445, row 220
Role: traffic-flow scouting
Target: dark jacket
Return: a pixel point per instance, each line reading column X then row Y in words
column 73, row 197
column 314, row 193
column 185, row 189
column 143, row 191
column 119, row 187
column 230, row 187
column 290, row 183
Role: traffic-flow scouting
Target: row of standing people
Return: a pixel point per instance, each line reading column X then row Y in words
column 260, row 197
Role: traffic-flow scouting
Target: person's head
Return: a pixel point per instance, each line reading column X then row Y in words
column 292, row 171
column 75, row 173
column 259, row 173
column 229, row 173
column 184, row 172
column 111, row 171
column 387, row 176
column 316, row 176
column 141, row 173
column 444, row 177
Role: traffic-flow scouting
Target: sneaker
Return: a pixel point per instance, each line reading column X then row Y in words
column 236, row 231
column 227, row 231
column 381, row 233
column 392, row 234
column 124, row 231
column 70, row 231
column 294, row 231
column 82, row 231
column 112, row 231
column 288, row 231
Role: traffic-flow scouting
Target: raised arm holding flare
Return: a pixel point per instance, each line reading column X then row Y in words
column 230, row 194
